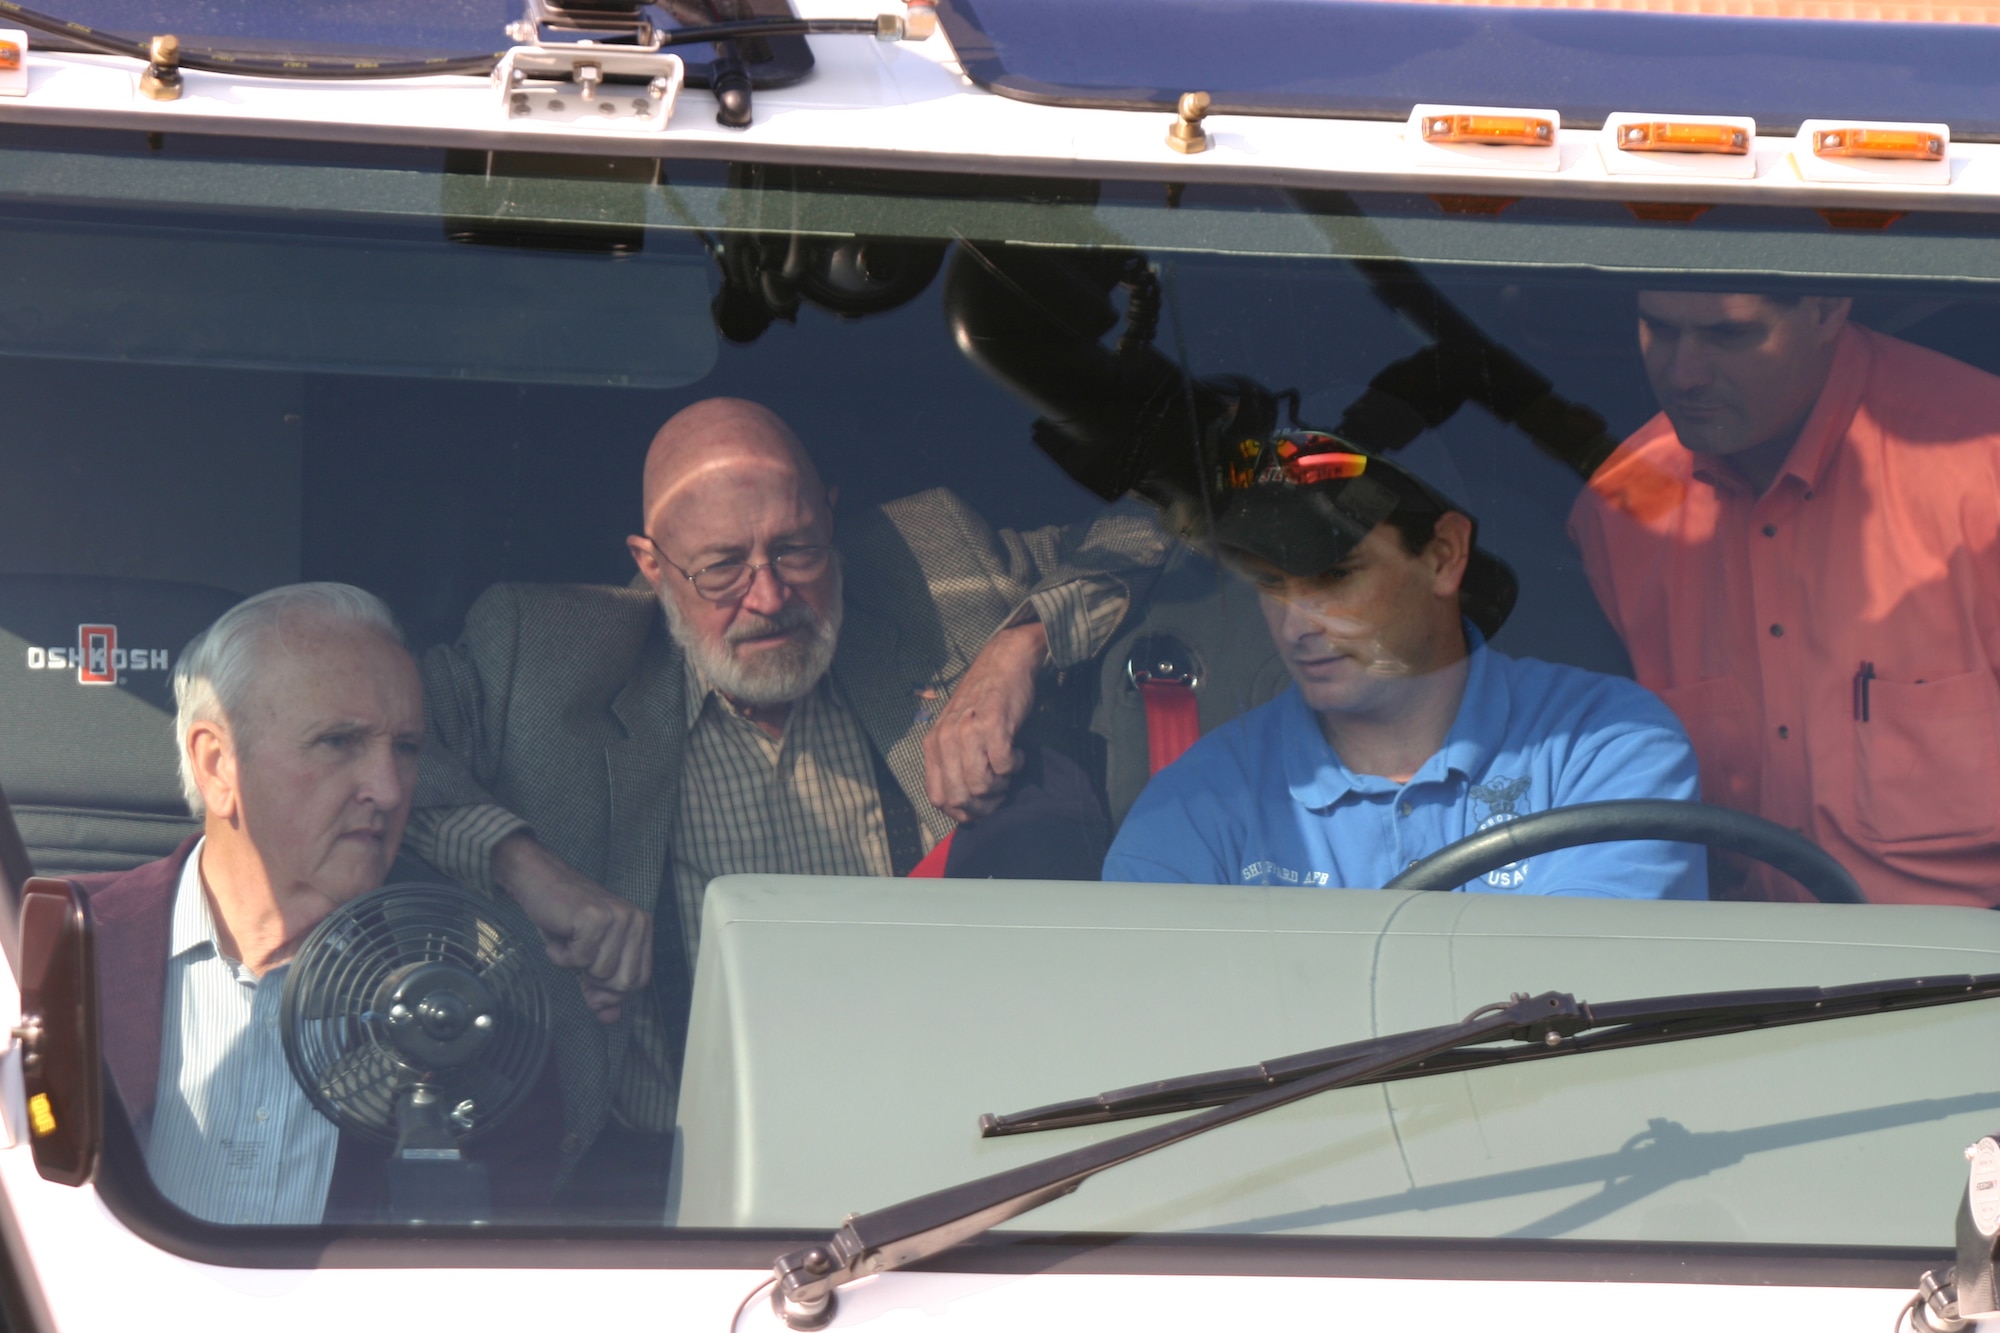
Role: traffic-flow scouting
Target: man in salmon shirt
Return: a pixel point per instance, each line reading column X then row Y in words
column 1802, row 555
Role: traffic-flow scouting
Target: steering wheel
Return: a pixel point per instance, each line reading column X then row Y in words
column 1615, row 821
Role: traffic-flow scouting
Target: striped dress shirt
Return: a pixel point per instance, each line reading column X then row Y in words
column 805, row 803
column 234, row 1138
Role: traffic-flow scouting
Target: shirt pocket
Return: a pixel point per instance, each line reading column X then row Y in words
column 1717, row 715
column 1926, row 759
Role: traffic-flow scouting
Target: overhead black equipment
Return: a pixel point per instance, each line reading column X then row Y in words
column 413, row 1016
column 1211, row 453
column 1462, row 365
column 767, row 275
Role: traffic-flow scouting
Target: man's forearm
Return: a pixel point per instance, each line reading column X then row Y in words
column 607, row 940
column 1023, row 647
column 969, row 754
column 518, row 861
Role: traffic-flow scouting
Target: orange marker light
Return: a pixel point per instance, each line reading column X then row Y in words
column 10, row 55
column 1680, row 136
column 1909, row 145
column 1505, row 131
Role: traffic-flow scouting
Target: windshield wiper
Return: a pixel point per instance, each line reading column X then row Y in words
column 1618, row 1025
column 1538, row 1027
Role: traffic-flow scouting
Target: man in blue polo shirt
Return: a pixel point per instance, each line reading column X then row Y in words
column 1403, row 732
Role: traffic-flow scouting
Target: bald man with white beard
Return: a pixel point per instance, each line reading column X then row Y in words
column 787, row 695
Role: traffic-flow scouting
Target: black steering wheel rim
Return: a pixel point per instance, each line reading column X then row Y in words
column 1614, row 821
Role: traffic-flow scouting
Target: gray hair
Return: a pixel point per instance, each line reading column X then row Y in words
column 216, row 668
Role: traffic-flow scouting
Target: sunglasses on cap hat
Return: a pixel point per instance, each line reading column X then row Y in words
column 1294, row 457
column 1302, row 500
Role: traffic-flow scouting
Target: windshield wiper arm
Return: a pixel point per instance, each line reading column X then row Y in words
column 806, row 1280
column 1618, row 1025
column 915, row 1229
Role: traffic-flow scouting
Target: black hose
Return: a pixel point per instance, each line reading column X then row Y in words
column 1615, row 821
column 361, row 67
column 747, row 29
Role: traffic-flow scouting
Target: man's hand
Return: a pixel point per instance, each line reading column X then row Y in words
column 969, row 754
column 606, row 939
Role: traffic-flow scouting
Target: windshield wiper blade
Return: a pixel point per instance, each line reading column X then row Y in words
column 1616, row 1025
column 805, row 1281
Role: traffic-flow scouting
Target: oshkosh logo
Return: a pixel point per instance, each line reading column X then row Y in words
column 97, row 659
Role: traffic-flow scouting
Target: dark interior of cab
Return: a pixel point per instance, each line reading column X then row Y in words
column 150, row 496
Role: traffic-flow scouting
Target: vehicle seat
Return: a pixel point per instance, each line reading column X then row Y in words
column 86, row 715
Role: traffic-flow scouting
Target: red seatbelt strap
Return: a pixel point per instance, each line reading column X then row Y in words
column 1173, row 722
column 932, row 866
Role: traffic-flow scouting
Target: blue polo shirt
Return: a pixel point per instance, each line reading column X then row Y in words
column 1265, row 800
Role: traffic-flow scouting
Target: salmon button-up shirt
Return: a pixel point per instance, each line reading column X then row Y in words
column 1831, row 644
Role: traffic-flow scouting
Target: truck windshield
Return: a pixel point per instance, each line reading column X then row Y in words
column 632, row 694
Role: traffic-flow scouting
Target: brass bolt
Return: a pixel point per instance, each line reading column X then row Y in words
column 162, row 79
column 1186, row 134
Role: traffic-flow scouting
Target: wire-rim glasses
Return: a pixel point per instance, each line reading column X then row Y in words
column 726, row 580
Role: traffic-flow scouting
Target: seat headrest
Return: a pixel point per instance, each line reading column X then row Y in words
column 86, row 700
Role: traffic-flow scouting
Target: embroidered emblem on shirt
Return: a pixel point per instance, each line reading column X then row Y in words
column 1270, row 872
column 1500, row 796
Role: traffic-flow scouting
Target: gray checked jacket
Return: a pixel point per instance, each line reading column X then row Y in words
column 561, row 708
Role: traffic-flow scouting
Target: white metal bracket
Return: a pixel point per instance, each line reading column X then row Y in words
column 582, row 84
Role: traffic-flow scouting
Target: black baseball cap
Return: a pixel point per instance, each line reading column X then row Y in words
column 1301, row 500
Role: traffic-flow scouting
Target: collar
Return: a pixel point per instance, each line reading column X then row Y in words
column 1826, row 425
column 698, row 689
column 193, row 923
column 1846, row 382
column 1317, row 778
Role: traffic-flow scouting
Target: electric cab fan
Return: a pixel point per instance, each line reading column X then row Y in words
column 413, row 1016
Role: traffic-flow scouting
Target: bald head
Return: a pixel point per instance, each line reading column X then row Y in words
column 713, row 441
column 729, row 488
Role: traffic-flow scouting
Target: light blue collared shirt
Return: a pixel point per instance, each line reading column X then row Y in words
column 234, row 1138
column 1265, row 800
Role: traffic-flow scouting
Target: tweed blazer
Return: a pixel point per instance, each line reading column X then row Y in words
column 562, row 708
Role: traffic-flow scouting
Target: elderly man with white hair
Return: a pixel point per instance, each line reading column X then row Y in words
column 299, row 720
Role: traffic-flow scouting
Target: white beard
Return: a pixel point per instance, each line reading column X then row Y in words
column 780, row 675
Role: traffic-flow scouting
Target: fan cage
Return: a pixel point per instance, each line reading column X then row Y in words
column 338, row 1045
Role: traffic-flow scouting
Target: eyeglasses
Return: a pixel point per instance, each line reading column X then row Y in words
column 726, row 580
